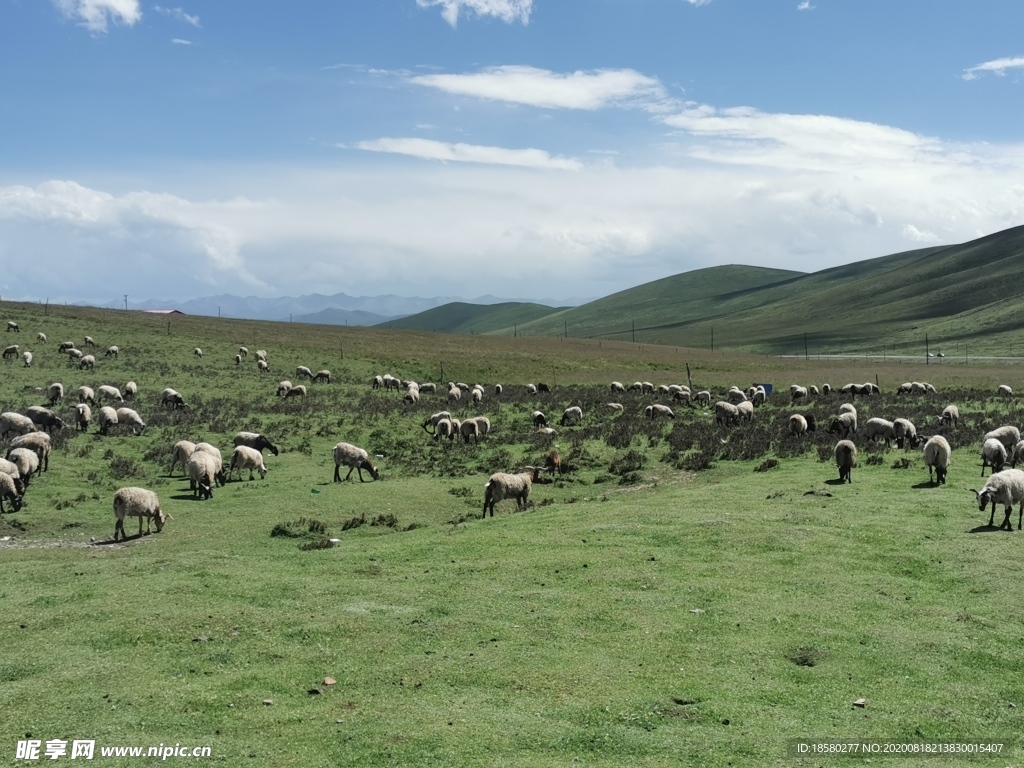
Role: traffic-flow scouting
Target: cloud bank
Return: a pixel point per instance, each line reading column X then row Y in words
column 996, row 67
column 428, row 149
column 508, row 11
column 94, row 15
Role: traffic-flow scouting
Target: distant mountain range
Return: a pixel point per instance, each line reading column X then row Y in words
column 338, row 309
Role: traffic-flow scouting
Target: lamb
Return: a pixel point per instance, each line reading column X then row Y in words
column 283, row 387
column 539, row 419
column 657, row 410
column 348, row 455
column 131, row 390
column 182, row 451
column 617, row 386
column 553, row 463
column 434, row 419
column 993, row 454
column 9, row 490
column 1006, row 488
column 140, row 503
column 89, row 342
column 205, row 470
column 905, row 433
column 1008, row 436
column 114, row 351
column 15, row 422
column 131, row 418
column 798, row 392
column 746, row 409
column 55, row 392
column 950, row 416
column 41, row 337
column 468, row 429
column 107, row 419
column 262, row 366
column 244, row 457
column 86, row 395
column 88, row 361
column 27, row 462
column 880, row 428
column 844, row 424
column 44, row 417
column 298, row 390
column 171, row 398
column 27, row 357
column 37, row 442
column 726, row 412
column 939, row 455
column 83, row 415
column 13, row 326
column 324, row 377
column 846, row 459
column 498, row 389
column 503, row 486
column 573, row 415
column 255, row 440
column 12, row 352
column 302, row 370
column 108, row 392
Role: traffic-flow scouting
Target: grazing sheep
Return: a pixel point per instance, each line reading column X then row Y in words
column 905, row 388
column 797, row 424
column 498, row 389
column 412, row 394
column 86, row 395
column 549, row 431
column 15, row 422
column 657, row 410
column 26, row 357
column 615, row 406
column 798, row 392
column 299, row 390
column 198, row 352
column 302, row 371
column 950, row 416
column 531, row 389
column 182, row 451
column 114, row 351
column 27, row 462
column 573, row 415
column 75, row 354
column 243, row 352
column 430, row 387
column 483, row 425
column 55, row 392
column 322, row 377
column 12, row 352
column 348, row 455
column 108, row 392
column 928, row 388
column 444, row 428
column 37, row 442
column 238, row 359
column 704, row 397
column 726, row 412
column 939, row 455
column 376, row 382
column 917, row 388
column 283, row 387
column 1004, row 391
column 140, row 503
column 83, row 415
column 390, row 382
column 1008, row 436
column 261, row 354
column 205, row 471
column 746, row 409
column 844, row 424
column 826, row 389
column 846, row 459
column 848, row 408
column 88, row 361
column 9, row 490
column 255, row 440
column 539, row 419
column 13, row 326
column 905, row 433
column 477, row 395
column 262, row 366
column 10, row 468
column 131, row 418
column 812, row 390
column 131, row 390
column 553, row 463
column 172, row 399
column 107, row 419
column 880, row 428
column 759, row 397
column 44, row 418
column 617, row 386
column 503, row 486
column 993, row 454
column 1006, row 488
column 736, row 395
column 1017, row 454
column 244, row 457
column 41, row 337
column 89, row 342
column 636, row 386
column 434, row 419
column 468, row 429
column 65, row 346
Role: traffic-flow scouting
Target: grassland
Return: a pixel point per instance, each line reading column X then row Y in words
column 662, row 603
column 460, row 317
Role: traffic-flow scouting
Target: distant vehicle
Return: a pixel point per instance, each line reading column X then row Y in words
column 931, row 354
column 941, row 354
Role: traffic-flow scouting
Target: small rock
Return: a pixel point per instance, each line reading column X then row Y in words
column 268, row 702
column 860, row 703
column 329, row 681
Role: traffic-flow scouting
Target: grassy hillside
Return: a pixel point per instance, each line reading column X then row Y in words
column 959, row 295
column 683, row 594
column 460, row 317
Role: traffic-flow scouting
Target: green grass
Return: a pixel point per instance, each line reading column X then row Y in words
column 636, row 614
column 460, row 317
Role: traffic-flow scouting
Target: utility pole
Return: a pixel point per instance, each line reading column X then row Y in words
column 712, row 338
column 805, row 345
column 218, row 311
column 926, row 355
column 634, row 331
column 126, row 301
column 566, row 322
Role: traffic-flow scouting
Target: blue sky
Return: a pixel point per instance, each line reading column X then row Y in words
column 514, row 147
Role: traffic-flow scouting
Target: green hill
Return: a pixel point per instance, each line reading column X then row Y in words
column 957, row 294
column 460, row 317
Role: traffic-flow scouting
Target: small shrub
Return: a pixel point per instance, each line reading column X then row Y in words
column 630, row 478
column 316, row 544
column 353, row 522
column 462, row 492
column 628, row 462
column 765, row 465
column 388, row 521
column 876, row 460
column 903, row 463
column 696, row 462
column 122, row 467
column 298, row 528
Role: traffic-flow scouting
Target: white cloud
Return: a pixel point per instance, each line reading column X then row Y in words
column 996, row 66
column 428, row 149
column 179, row 14
column 805, row 6
column 506, row 10
column 94, row 15
column 179, row 41
column 590, row 90
column 698, row 3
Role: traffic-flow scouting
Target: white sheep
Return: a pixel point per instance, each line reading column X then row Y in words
column 412, row 394
column 572, row 415
column 10, row 468
column 657, row 410
column 390, row 382
column 797, row 424
column 255, row 440
column 75, row 354
column 83, row 415
column 37, row 442
column 905, row 433
column 844, row 424
column 502, row 485
column 140, row 503
column 15, row 422
column 261, row 354
column 880, row 428
column 483, row 425
column 430, row 387
column 113, row 351
column 262, row 366
column 107, row 418
column 846, row 459
column 348, row 455
column 993, row 454
column 110, row 393
column 131, row 390
column 1008, row 436
column 243, row 352
column 848, row 408
column 244, row 457
column 950, row 416
column 539, row 419
column 759, row 397
column 615, row 406
column 299, row 390
column 617, row 386
column 13, row 326
column 798, row 392
column 182, row 451
column 26, row 357
column 498, row 389
column 468, row 429
column 746, row 409
column 9, row 489
column 238, row 359
column 826, row 389
column 736, row 395
column 283, row 387
column 87, row 361
column 198, row 352
column 476, row 395
column 1004, row 391
column 41, row 337
column 905, row 388
column 55, row 392
column 434, row 419
column 204, row 470
column 172, row 398
column 27, row 462
column 324, row 377
column 1006, row 488
column 131, row 418
column 812, row 390
column 444, row 429
column 302, row 371
column 44, row 418
column 704, row 397
column 89, row 341
column 11, row 352
column 86, row 395
column 726, row 412
column 377, row 382
column 531, row 389
column 548, row 431
column 939, row 455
